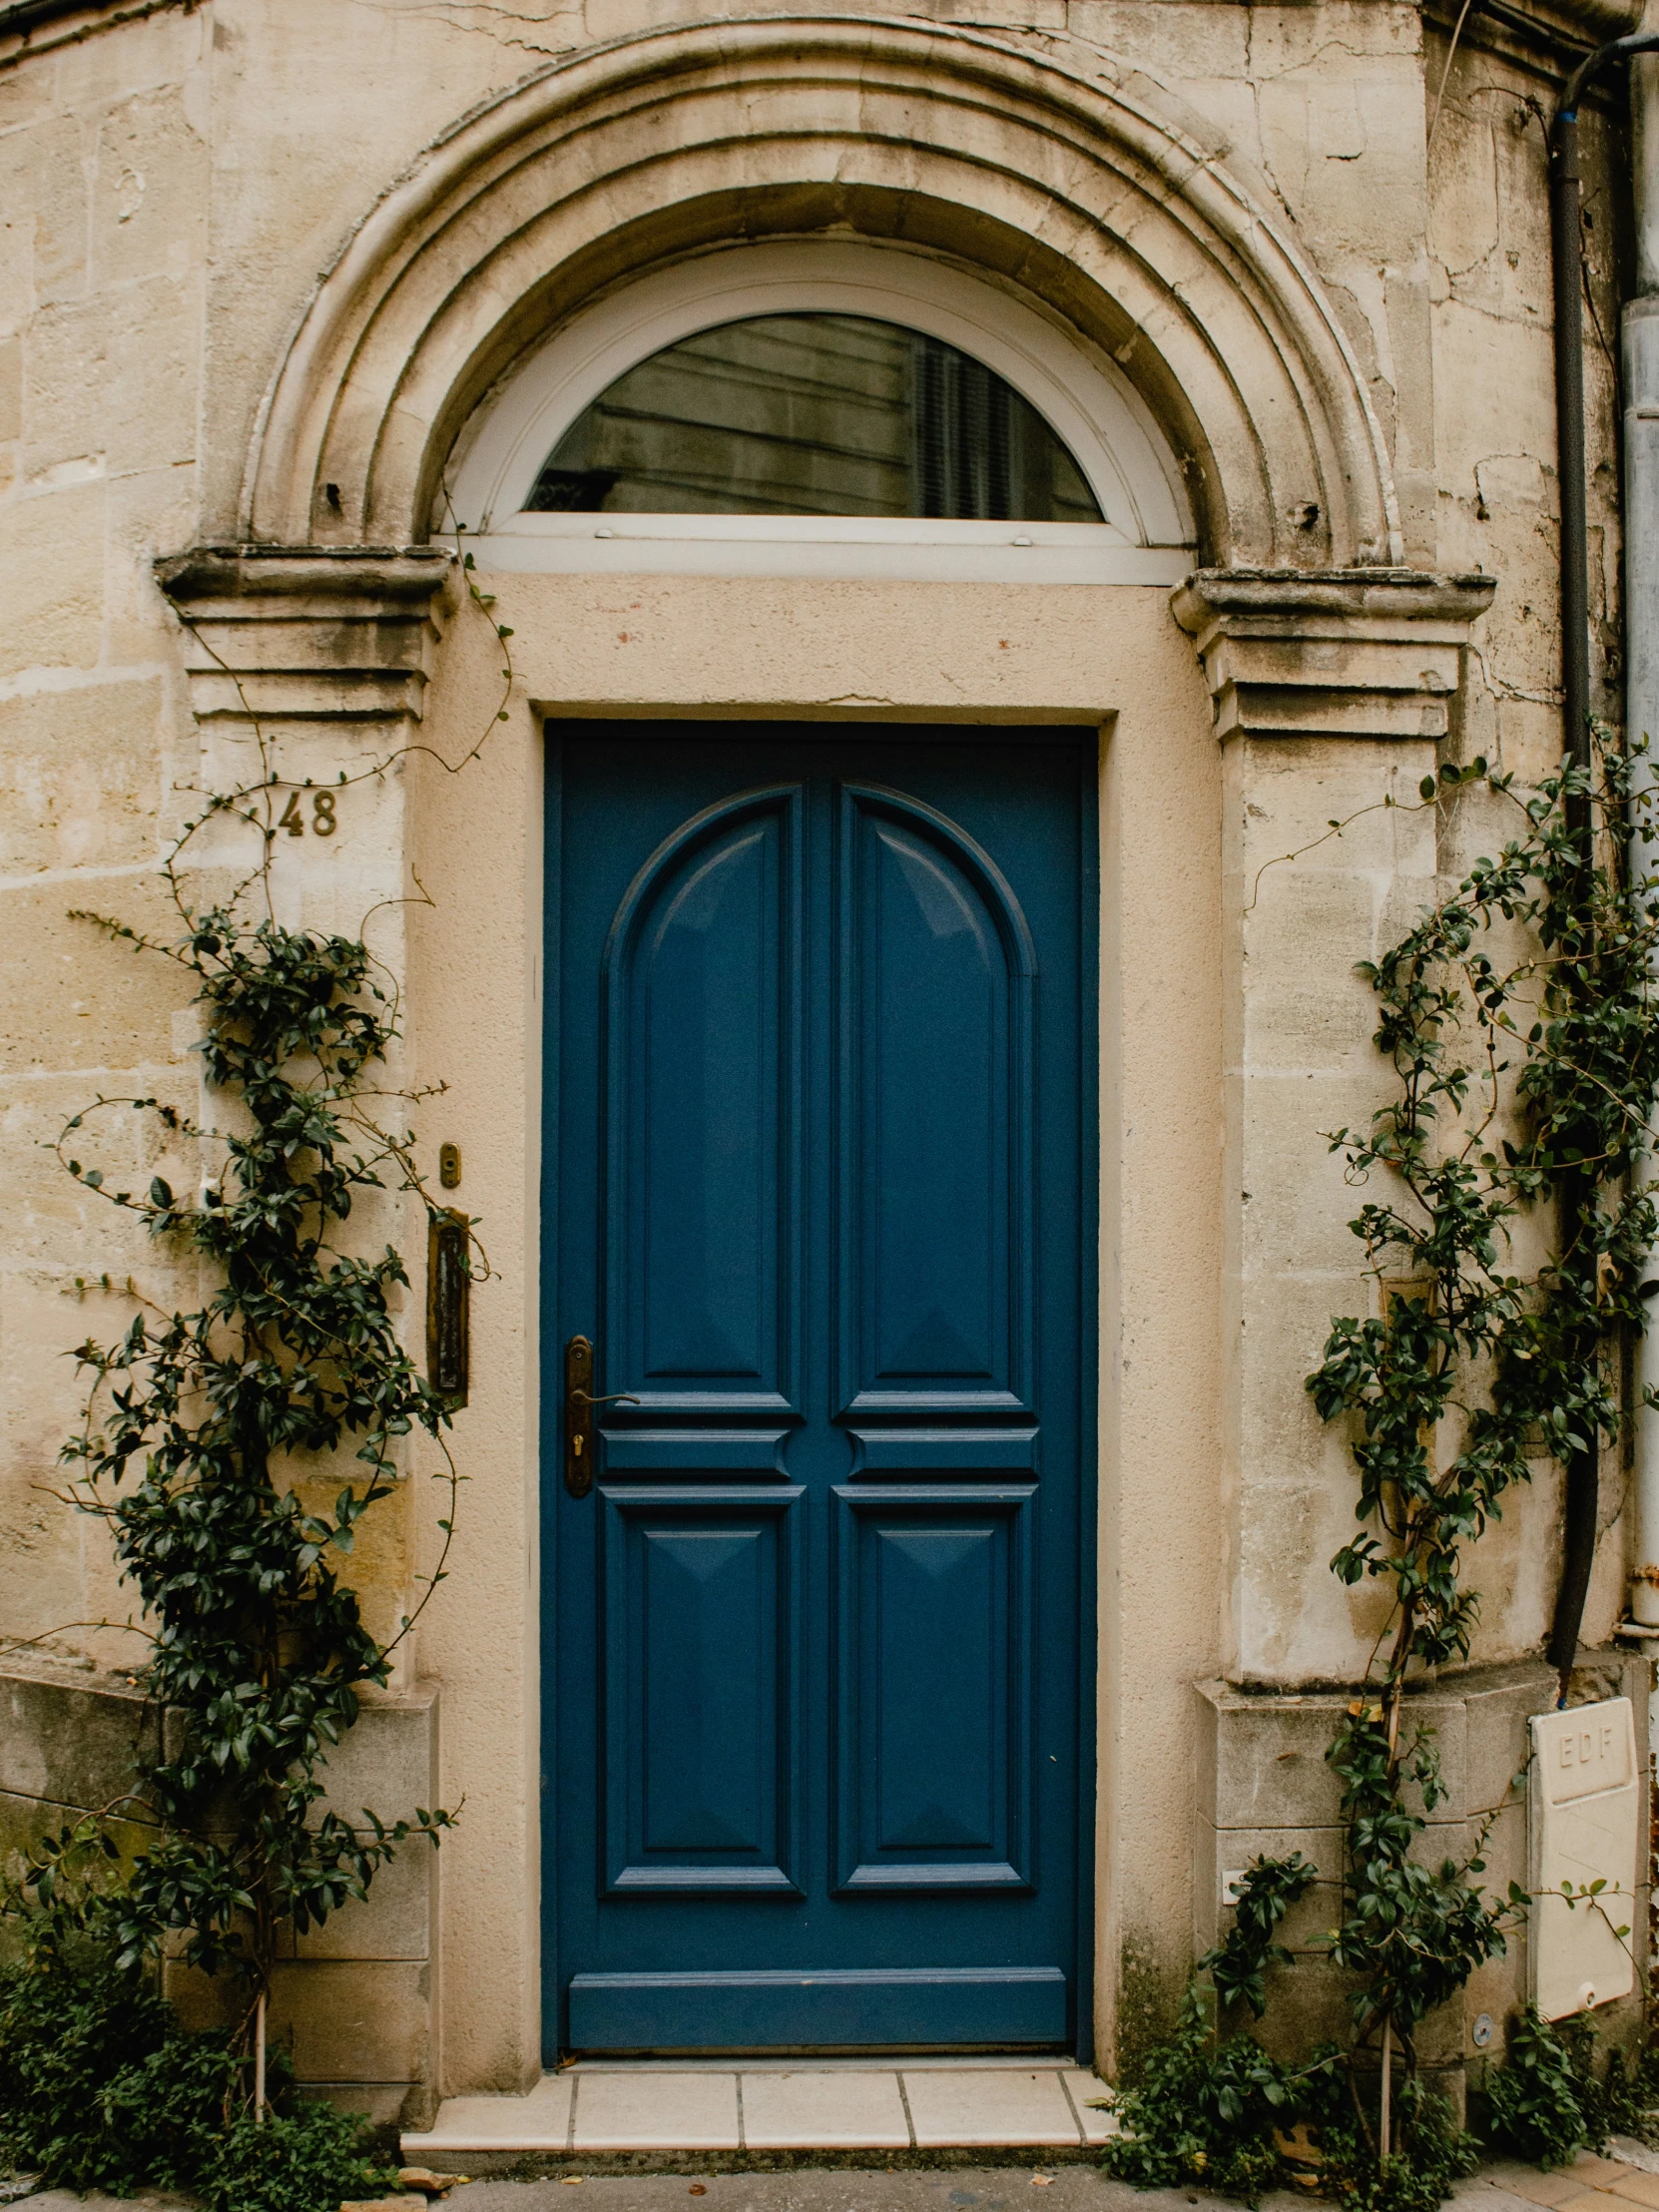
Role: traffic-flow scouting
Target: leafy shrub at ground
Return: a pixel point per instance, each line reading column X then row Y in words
column 100, row 2089
column 1218, row 2116
column 305, row 2160
column 1206, row 2114
column 1432, row 2155
column 1209, row 2111
column 1545, row 2102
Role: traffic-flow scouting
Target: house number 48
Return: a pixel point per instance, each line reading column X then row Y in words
column 323, row 815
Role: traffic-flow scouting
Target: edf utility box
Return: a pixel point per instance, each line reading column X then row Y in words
column 1586, row 1828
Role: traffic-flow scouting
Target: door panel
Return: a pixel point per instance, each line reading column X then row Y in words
column 701, row 1613
column 821, row 1015
column 934, row 1769
column 701, row 1059
column 935, row 964
column 832, row 2008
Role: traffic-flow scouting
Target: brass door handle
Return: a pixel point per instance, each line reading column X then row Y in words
column 579, row 1405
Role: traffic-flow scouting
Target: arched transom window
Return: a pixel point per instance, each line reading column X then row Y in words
column 813, row 415
column 824, row 409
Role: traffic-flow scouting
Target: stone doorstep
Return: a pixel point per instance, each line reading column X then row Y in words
column 781, row 2105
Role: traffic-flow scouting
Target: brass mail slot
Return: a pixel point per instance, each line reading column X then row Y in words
column 448, row 1306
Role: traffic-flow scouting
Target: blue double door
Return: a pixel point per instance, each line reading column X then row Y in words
column 817, row 1600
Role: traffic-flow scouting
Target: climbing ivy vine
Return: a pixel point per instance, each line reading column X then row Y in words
column 233, row 1451
column 1520, row 1019
column 206, row 1432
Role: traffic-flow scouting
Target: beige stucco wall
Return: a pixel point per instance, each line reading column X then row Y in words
column 173, row 191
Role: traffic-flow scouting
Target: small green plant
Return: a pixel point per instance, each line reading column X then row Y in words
column 1537, row 2097
column 305, row 2158
column 1206, row 2112
column 100, row 2089
column 1546, row 2101
column 1431, row 2153
column 1238, row 1964
column 1212, row 2110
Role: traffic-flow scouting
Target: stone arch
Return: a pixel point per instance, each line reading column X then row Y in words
column 1079, row 193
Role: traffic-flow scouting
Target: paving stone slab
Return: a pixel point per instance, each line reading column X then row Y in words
column 65, row 2200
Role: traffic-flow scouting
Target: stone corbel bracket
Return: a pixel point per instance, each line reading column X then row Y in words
column 1335, row 653
column 286, row 635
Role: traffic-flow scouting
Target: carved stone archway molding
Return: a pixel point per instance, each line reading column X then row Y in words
column 1100, row 199
column 1343, row 653
column 292, row 635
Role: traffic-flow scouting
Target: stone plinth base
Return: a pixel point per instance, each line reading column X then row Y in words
column 354, row 2003
column 1266, row 1788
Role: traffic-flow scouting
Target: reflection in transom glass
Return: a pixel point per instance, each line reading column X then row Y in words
column 813, row 415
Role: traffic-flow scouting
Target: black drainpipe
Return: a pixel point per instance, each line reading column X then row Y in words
column 1581, row 1503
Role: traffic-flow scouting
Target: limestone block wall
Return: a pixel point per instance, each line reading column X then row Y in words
column 357, row 2003
column 69, row 1743
column 104, row 179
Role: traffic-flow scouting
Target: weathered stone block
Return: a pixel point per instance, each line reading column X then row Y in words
column 201, row 2000
column 386, row 1761
column 25, row 1820
column 72, row 1000
column 148, row 196
column 1305, row 1008
column 1296, row 1203
column 55, row 539
column 124, row 362
column 408, row 2105
column 80, row 777
column 11, row 388
column 394, row 1921
column 1270, row 1750
column 1224, row 1851
column 44, row 256
column 349, row 2019
column 71, row 1741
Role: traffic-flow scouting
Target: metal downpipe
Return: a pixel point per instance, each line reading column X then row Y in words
column 1582, row 1488
column 1639, row 346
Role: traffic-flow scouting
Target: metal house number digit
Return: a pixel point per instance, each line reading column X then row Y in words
column 324, row 821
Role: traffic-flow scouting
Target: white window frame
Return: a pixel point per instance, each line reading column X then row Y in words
column 1147, row 536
